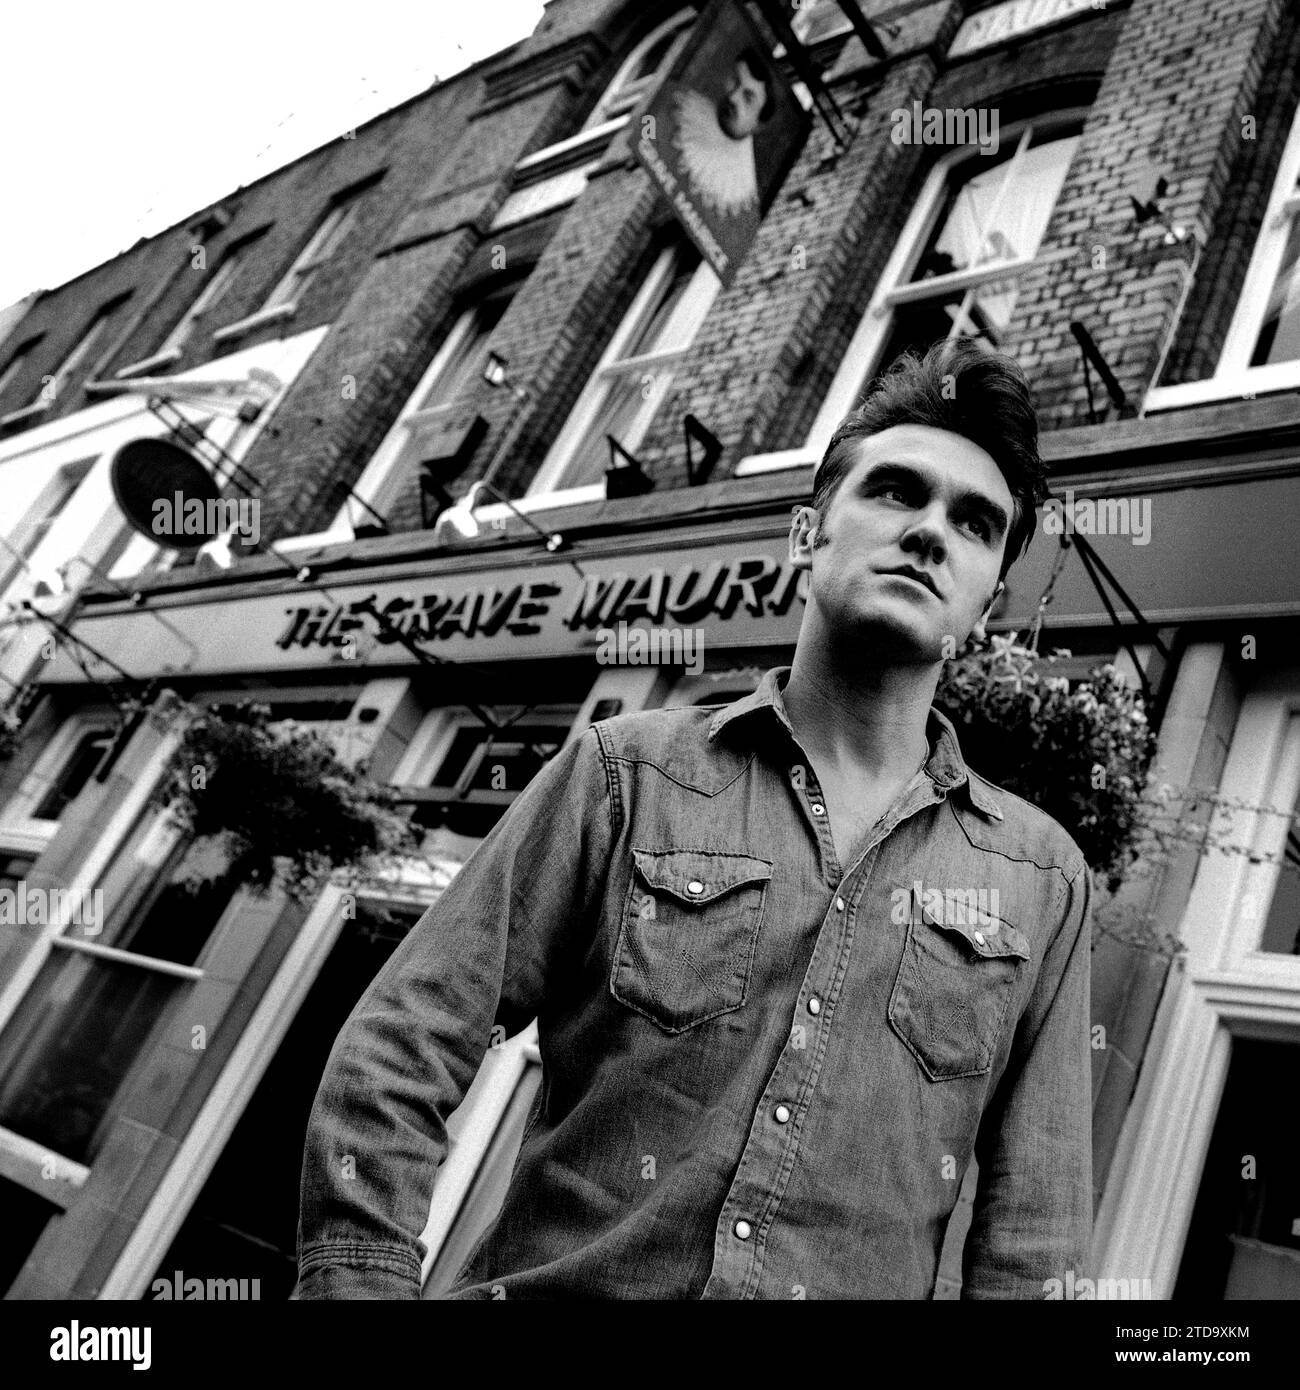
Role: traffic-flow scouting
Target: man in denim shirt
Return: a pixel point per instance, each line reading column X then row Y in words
column 792, row 962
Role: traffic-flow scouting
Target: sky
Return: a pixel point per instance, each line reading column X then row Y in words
column 124, row 117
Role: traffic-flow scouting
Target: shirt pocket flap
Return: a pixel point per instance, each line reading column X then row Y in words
column 990, row 938
column 698, row 876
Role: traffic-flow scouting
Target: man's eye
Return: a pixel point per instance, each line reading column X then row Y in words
column 893, row 490
column 980, row 527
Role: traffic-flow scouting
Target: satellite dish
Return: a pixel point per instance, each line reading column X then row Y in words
column 166, row 493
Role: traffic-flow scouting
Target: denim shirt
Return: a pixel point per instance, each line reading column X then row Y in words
column 763, row 1074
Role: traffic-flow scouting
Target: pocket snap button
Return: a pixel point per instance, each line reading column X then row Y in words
column 979, row 936
column 743, row 1230
column 695, row 886
column 818, row 809
column 814, row 1005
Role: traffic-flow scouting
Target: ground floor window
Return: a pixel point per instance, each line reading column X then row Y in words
column 1244, row 1240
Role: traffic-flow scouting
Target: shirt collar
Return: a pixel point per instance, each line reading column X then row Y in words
column 945, row 766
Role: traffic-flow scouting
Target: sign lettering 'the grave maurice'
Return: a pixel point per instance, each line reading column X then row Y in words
column 755, row 584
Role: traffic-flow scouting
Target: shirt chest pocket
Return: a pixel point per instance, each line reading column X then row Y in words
column 954, row 986
column 688, row 934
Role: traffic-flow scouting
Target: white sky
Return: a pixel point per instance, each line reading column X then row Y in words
column 123, row 116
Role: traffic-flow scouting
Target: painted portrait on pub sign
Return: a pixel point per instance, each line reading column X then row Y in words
column 720, row 133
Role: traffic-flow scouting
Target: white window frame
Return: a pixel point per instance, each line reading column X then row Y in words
column 19, row 827
column 24, row 1160
column 434, row 738
column 170, row 350
column 620, row 98
column 383, row 470
column 1226, row 986
column 48, row 392
column 801, row 21
column 892, row 289
column 330, row 234
column 692, row 309
column 1233, row 376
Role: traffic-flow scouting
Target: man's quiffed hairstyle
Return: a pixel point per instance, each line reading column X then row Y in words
column 964, row 388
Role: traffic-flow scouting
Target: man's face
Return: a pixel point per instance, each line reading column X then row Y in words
column 914, row 498
column 742, row 101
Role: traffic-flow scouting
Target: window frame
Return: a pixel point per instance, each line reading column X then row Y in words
column 332, row 230
column 1226, row 987
column 892, row 290
column 697, row 300
column 173, row 345
column 48, row 392
column 621, row 97
column 382, row 473
column 24, row 1160
column 596, row 131
column 19, row 826
column 1233, row 376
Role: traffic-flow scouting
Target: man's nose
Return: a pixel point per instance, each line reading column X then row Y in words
column 927, row 535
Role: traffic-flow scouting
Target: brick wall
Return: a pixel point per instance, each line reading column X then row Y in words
column 1162, row 106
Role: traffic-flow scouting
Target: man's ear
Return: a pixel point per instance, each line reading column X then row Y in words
column 803, row 525
column 977, row 632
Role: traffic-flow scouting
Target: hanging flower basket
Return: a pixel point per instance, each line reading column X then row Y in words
column 1083, row 755
column 278, row 800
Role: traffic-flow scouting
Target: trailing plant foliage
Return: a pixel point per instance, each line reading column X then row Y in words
column 1081, row 754
column 279, row 801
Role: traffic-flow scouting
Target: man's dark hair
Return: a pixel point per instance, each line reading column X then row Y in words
column 753, row 60
column 964, row 388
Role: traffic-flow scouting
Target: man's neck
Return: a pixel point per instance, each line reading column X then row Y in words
column 867, row 722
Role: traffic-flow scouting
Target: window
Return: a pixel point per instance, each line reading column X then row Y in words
column 74, row 774
column 98, row 1004
column 815, row 20
column 455, row 367
column 643, row 67
column 16, row 363
column 635, row 372
column 22, row 542
column 975, row 229
column 1261, row 351
column 963, row 282
column 218, row 282
column 324, row 242
column 58, row 775
column 471, row 773
column 88, row 343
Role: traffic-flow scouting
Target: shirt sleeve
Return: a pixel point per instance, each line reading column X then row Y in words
column 1032, row 1216
column 486, row 953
